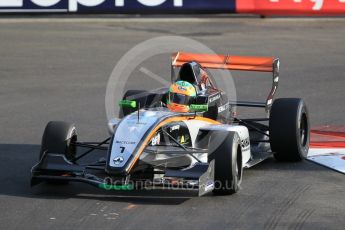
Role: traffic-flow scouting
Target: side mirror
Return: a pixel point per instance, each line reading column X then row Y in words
column 128, row 104
column 198, row 108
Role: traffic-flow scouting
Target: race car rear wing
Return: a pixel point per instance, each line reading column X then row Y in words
column 242, row 63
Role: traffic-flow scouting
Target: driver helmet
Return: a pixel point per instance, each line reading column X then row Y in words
column 181, row 95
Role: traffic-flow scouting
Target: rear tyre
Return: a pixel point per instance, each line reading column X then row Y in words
column 58, row 137
column 289, row 129
column 225, row 150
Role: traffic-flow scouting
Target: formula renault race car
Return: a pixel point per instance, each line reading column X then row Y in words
column 157, row 143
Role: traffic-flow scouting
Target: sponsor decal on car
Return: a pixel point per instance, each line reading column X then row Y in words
column 156, row 140
column 175, row 127
column 214, row 98
column 209, row 186
column 126, row 142
column 223, row 107
column 118, row 160
column 245, row 143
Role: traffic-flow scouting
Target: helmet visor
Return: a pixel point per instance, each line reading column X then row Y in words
column 180, row 99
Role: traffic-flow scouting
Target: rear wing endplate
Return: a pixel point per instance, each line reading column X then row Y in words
column 227, row 62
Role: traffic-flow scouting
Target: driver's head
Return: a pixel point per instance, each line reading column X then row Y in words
column 181, row 95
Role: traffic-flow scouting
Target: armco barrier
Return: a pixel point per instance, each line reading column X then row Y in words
column 291, row 7
column 117, row 6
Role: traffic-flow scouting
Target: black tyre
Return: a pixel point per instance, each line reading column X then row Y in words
column 225, row 150
column 289, row 129
column 57, row 138
column 136, row 95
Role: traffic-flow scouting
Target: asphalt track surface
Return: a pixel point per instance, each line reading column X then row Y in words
column 57, row 69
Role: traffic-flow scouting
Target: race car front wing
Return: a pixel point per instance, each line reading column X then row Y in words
column 56, row 167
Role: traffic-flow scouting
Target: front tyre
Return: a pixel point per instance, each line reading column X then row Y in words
column 289, row 129
column 59, row 137
column 225, row 150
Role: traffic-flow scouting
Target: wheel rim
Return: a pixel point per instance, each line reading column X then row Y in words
column 237, row 171
column 303, row 130
column 72, row 148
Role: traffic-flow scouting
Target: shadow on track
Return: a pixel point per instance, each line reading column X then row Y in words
column 16, row 161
